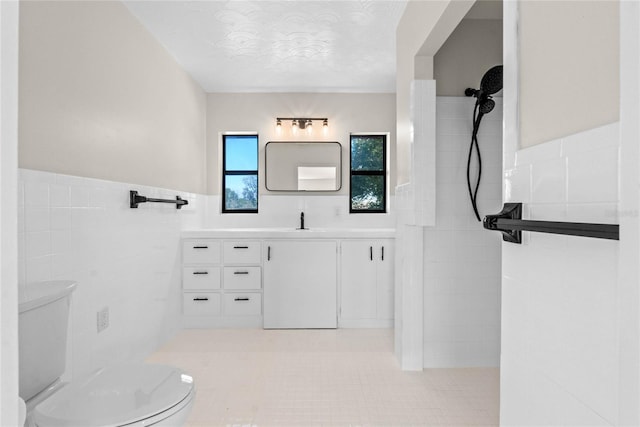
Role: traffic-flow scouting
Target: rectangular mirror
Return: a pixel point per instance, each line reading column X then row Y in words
column 303, row 166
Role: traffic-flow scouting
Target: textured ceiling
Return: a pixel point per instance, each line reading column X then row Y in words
column 273, row 46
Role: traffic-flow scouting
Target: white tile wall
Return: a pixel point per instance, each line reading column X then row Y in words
column 125, row 259
column 560, row 298
column 415, row 209
column 578, row 174
column 128, row 259
column 423, row 168
column 462, row 261
column 320, row 211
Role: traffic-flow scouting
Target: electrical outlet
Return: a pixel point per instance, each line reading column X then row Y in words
column 103, row 319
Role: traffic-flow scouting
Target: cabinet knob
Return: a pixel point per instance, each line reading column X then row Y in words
column 382, row 254
column 241, row 299
column 201, row 247
column 201, row 299
column 200, row 272
column 371, row 253
column 241, row 247
column 240, row 272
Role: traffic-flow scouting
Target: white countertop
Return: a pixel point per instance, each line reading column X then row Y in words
column 290, row 233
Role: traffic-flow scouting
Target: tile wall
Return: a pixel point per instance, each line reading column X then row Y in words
column 560, row 358
column 124, row 259
column 283, row 211
column 128, row 259
column 462, row 260
column 415, row 202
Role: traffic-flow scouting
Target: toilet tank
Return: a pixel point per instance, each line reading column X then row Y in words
column 42, row 333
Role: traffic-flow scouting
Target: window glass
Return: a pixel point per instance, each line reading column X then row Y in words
column 367, row 193
column 367, row 153
column 240, row 173
column 368, row 183
column 241, row 153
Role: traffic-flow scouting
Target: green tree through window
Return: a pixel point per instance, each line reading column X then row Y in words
column 240, row 173
column 368, row 173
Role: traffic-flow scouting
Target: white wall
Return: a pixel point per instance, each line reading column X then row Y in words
column 473, row 47
column 569, row 67
column 422, row 30
column 461, row 259
column 101, row 98
column 125, row 259
column 8, row 213
column 320, row 211
column 105, row 109
column 559, row 293
column 257, row 112
column 629, row 251
column 569, row 304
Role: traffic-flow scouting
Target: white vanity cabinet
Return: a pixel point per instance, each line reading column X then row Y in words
column 366, row 283
column 300, row 284
column 222, row 283
column 288, row 278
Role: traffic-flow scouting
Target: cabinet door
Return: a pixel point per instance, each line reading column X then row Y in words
column 385, row 279
column 358, row 295
column 299, row 282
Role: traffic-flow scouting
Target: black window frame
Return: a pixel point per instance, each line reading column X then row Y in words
column 226, row 173
column 382, row 173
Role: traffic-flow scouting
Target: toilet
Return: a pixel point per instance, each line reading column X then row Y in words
column 125, row 394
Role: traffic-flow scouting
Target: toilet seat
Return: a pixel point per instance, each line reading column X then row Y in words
column 118, row 395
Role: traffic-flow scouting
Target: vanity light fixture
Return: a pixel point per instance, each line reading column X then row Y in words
column 302, row 122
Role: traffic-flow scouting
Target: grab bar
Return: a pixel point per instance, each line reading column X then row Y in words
column 135, row 199
column 509, row 221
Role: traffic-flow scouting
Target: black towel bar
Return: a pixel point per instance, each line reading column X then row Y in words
column 509, row 221
column 135, row 199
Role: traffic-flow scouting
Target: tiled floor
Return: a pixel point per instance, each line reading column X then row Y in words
column 343, row 377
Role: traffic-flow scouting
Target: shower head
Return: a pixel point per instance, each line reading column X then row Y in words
column 486, row 105
column 491, row 83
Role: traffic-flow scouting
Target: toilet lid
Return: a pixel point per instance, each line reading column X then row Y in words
column 115, row 395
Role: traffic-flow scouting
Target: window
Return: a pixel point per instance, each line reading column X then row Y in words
column 240, row 173
column 368, row 187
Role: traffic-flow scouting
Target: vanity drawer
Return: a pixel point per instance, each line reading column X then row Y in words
column 201, row 304
column 242, row 278
column 201, row 278
column 242, row 252
column 201, row 252
column 243, row 304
